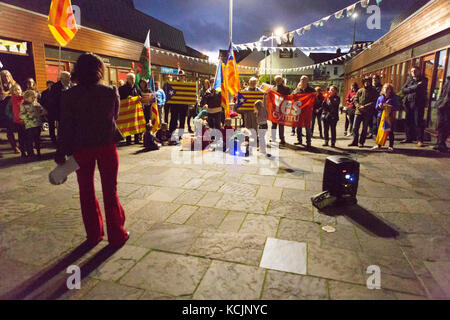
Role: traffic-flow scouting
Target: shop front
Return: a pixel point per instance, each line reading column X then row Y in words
column 393, row 56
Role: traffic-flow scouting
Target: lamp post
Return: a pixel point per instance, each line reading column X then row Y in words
column 354, row 17
column 231, row 21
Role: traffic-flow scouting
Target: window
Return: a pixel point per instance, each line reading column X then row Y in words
column 335, row 71
column 437, row 90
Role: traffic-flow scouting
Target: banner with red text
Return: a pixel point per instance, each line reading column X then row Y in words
column 292, row 111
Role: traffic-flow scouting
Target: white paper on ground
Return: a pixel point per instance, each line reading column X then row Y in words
column 60, row 174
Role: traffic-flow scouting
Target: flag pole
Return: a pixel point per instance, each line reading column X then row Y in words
column 59, row 61
column 231, row 21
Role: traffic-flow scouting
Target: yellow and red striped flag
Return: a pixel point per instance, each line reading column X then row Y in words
column 131, row 119
column 61, row 21
column 155, row 118
column 231, row 73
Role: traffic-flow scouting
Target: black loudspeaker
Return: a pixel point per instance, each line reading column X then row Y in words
column 341, row 178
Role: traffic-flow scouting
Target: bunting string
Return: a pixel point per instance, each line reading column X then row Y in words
column 344, row 57
column 289, row 36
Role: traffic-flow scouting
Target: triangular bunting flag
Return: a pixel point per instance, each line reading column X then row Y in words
column 339, row 14
column 364, row 3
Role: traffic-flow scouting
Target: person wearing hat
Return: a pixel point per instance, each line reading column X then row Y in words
column 364, row 100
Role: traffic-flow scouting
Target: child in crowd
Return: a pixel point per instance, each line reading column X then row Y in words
column 201, row 130
column 163, row 135
column 32, row 114
column 261, row 116
column 149, row 139
column 13, row 113
column 227, row 133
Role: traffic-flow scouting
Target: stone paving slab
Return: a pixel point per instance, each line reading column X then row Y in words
column 169, row 237
column 287, row 286
column 167, row 273
column 234, row 247
column 106, row 290
column 224, row 280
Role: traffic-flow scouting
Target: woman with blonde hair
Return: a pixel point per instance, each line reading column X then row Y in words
column 6, row 84
column 388, row 101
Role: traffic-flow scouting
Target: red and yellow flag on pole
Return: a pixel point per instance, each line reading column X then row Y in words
column 61, row 21
column 231, row 73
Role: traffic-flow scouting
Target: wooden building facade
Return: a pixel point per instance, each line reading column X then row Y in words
column 40, row 59
column 421, row 39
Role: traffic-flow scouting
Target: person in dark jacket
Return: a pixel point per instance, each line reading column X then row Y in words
column 443, row 113
column 212, row 101
column 45, row 95
column 317, row 113
column 303, row 87
column 350, row 110
column 364, row 100
column 415, row 91
column 89, row 133
column 281, row 89
column 129, row 90
column 54, row 105
column 330, row 115
column 147, row 107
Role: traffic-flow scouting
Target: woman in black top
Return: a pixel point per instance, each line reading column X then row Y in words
column 330, row 115
column 88, row 132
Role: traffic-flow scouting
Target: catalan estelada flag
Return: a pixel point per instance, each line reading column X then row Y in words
column 231, row 73
column 155, row 118
column 385, row 127
column 246, row 100
column 181, row 93
column 131, row 119
column 61, row 21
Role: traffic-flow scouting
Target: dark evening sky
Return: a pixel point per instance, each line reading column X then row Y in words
column 205, row 22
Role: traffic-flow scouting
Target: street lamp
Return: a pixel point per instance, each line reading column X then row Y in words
column 354, row 17
column 277, row 32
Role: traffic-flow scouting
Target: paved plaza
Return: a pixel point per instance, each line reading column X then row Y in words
column 229, row 231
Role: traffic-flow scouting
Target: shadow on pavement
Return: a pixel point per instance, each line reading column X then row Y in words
column 9, row 162
column 50, row 284
column 364, row 219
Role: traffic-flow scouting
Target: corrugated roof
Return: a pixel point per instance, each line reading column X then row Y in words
column 120, row 18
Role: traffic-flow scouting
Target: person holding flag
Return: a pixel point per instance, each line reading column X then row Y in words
column 144, row 75
column 387, row 105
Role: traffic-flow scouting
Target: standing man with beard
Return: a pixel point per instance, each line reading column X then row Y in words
column 281, row 89
column 303, row 87
column 54, row 102
column 364, row 100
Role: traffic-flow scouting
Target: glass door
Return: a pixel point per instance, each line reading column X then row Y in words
column 428, row 65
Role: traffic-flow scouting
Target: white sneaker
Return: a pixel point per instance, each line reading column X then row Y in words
column 376, row 148
column 390, row 149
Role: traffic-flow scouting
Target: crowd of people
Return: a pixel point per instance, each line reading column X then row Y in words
column 23, row 112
